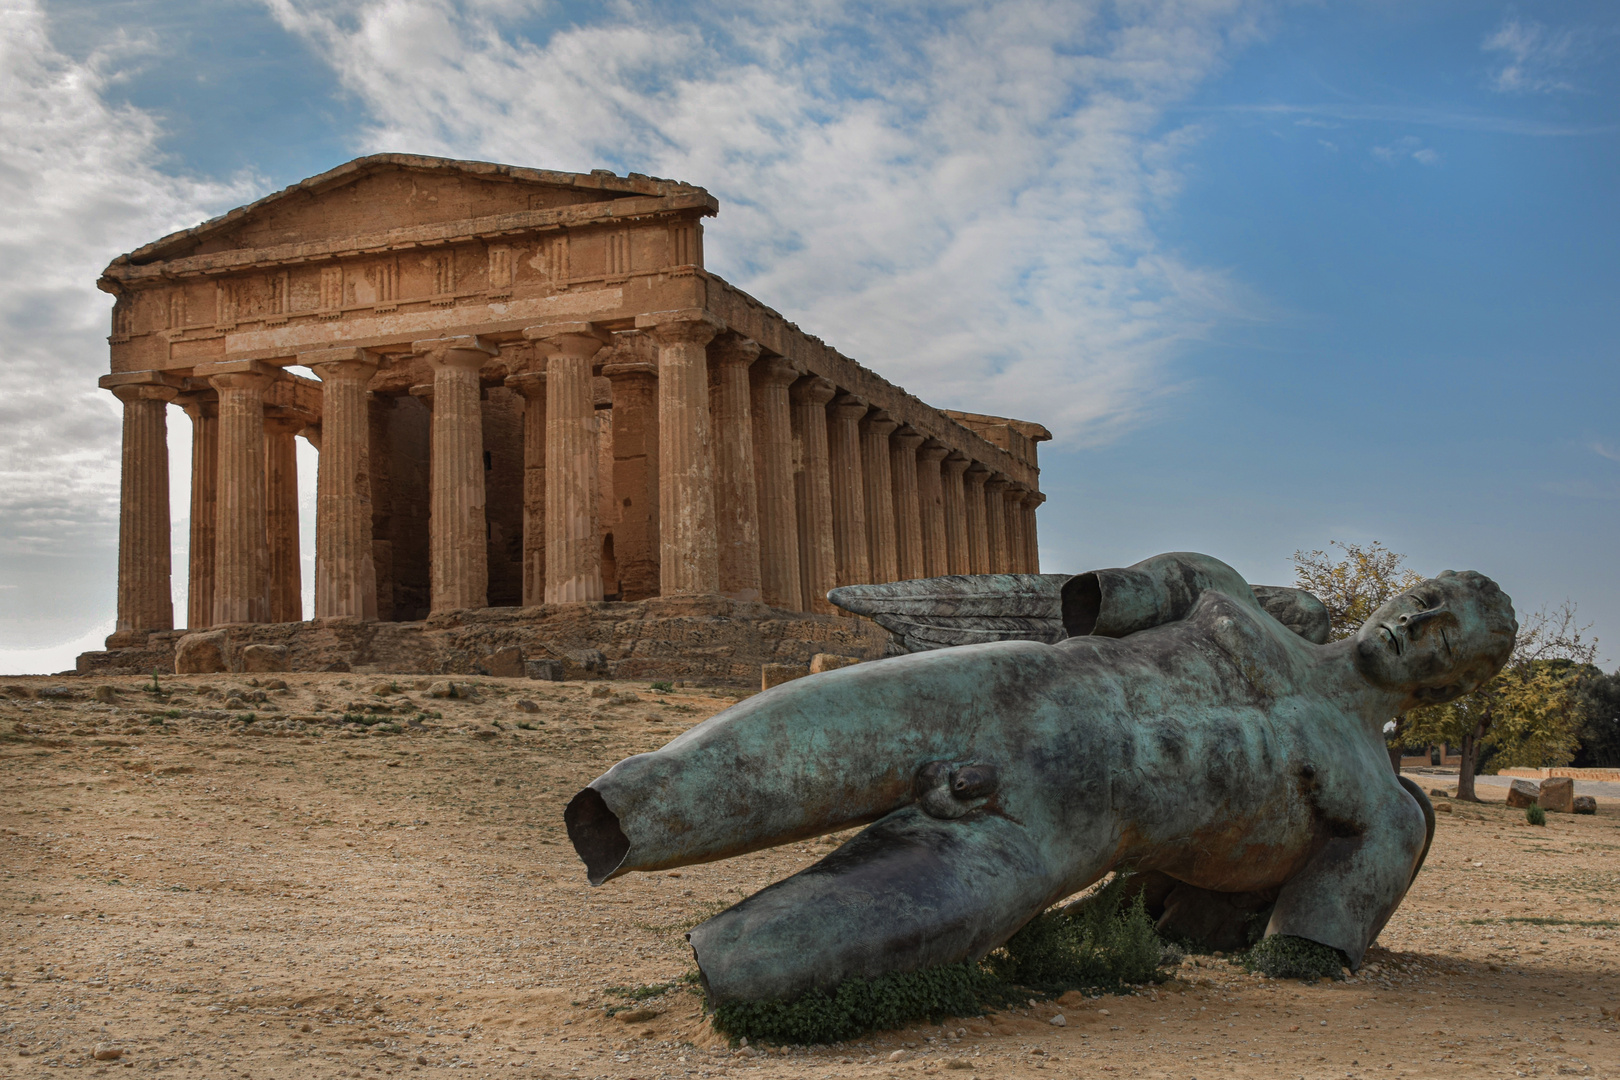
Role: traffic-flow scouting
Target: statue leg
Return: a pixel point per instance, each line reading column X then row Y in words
column 1351, row 887
column 911, row 891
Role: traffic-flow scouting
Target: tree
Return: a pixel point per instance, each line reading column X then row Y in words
column 1355, row 586
column 1600, row 734
column 1531, row 713
column 1352, row 589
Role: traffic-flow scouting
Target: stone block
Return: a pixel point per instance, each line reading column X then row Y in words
column 1584, row 804
column 105, row 694
column 776, row 674
column 506, row 663
column 1558, row 795
column 260, row 658
column 1522, row 793
column 546, row 670
column 826, row 661
column 202, row 653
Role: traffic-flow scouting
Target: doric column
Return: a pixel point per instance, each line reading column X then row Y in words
column 978, row 533
column 241, row 552
column 1032, row 547
column 878, row 486
column 688, row 560
column 532, row 385
column 573, row 456
column 956, row 538
column 458, row 541
column 931, row 508
column 203, row 408
column 846, row 481
column 635, row 476
column 144, row 600
column 818, row 567
column 773, row 481
column 995, row 518
column 908, row 524
column 345, row 575
column 736, row 501
column 281, row 428
column 1017, row 548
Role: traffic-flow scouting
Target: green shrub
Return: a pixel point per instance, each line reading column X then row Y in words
column 1535, row 815
column 663, row 687
column 857, row 1005
column 1283, row 956
column 1100, row 942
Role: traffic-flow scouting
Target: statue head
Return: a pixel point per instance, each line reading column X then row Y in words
column 1439, row 639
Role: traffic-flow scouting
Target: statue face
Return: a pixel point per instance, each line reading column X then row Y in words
column 1430, row 642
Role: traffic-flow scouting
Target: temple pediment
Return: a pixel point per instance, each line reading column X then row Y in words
column 404, row 196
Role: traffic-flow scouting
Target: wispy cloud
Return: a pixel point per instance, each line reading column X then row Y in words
column 1537, row 59
column 959, row 196
column 1418, row 116
column 1409, row 146
column 79, row 182
column 1604, row 450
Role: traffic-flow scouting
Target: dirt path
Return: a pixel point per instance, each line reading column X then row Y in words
column 290, row 899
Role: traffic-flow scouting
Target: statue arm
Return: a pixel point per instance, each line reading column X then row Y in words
column 1163, row 589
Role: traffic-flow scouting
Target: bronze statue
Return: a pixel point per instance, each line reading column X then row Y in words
column 1179, row 729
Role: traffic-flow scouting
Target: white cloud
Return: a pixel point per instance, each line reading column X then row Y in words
column 1401, row 149
column 959, row 195
column 1534, row 55
column 1603, row 450
column 80, row 183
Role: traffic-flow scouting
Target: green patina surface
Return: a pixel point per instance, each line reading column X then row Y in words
column 1181, row 730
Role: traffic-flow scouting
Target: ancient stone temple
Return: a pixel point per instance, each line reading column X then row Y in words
column 527, row 391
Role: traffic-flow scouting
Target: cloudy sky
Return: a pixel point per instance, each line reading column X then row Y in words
column 1275, row 274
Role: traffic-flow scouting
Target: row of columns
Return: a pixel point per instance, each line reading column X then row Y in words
column 769, row 483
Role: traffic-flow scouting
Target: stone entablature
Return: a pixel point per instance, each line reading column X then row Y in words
column 530, row 391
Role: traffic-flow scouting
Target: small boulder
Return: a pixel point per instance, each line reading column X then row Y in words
column 1558, row 794
column 56, row 693
column 337, row 665
column 106, row 1052
column 547, row 670
column 1058, row 1021
column 506, row 663
column 264, row 658
column 525, row 705
column 776, row 674
column 1442, row 808
column 1583, row 804
column 826, row 661
column 202, row 653
column 105, row 694
column 1522, row 793
column 442, row 689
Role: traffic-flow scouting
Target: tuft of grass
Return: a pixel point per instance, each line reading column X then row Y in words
column 857, row 1005
column 1283, row 956
column 1535, row 815
column 663, row 687
column 1100, row 942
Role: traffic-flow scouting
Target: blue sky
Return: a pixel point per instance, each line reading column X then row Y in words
column 1275, row 274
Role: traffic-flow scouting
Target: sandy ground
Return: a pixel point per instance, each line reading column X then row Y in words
column 289, row 898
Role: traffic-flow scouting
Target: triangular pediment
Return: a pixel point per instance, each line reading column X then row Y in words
column 387, row 192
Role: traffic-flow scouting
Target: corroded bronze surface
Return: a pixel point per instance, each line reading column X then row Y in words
column 1180, row 729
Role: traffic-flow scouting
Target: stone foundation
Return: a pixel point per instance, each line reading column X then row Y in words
column 706, row 639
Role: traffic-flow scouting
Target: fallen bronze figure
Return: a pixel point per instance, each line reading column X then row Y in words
column 1166, row 722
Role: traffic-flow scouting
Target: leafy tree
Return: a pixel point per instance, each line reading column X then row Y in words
column 1531, row 713
column 1600, row 734
column 1352, row 588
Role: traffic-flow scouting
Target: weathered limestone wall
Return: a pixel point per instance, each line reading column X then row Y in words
column 710, row 639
